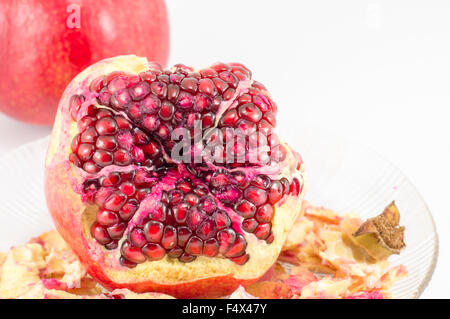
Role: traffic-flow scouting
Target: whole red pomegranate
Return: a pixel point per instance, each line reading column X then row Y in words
column 44, row 44
column 171, row 180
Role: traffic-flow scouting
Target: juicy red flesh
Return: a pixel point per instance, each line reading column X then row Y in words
column 206, row 211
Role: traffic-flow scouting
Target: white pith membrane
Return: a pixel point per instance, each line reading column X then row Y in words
column 167, row 270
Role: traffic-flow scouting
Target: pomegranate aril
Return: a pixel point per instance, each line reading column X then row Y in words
column 285, row 184
column 262, row 231
column 122, row 158
column 125, row 262
column 169, row 239
column 85, row 152
column 186, row 258
column 238, row 247
column 106, row 126
column 245, row 208
column 91, row 167
column 112, row 245
column 175, row 252
column 249, row 225
column 208, row 73
column 75, row 104
column 250, row 112
column 153, row 231
column 89, row 136
column 228, row 94
column 132, row 253
column 211, row 247
column 180, row 212
column 255, row 195
column 116, row 231
column 100, row 234
column 194, row 246
column 185, row 101
column 141, row 194
column 184, row 233
column 153, row 251
column 172, row 92
column 294, row 188
column 275, row 192
column 137, row 237
column 111, row 180
column 189, row 85
column 240, row 179
column 166, row 111
column 120, row 99
column 127, row 211
column 150, row 105
column 264, row 213
column 184, row 186
column 191, row 199
column 107, row 143
column 159, row 89
column 207, row 229
column 139, row 91
column 222, row 220
column 127, row 188
column 102, row 158
column 175, row 196
column 101, row 195
column 270, row 239
column 75, row 160
column 194, row 218
column 106, row 217
column 226, row 238
column 240, row 260
column 115, row 201
column 85, row 122
column 208, row 205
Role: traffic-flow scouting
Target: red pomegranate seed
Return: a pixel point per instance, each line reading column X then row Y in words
column 132, row 253
column 206, row 229
column 100, row 234
column 208, row 73
column 175, row 252
column 127, row 188
column 222, row 220
column 264, row 213
column 294, row 188
column 191, row 199
column 112, row 245
column 106, row 126
column 137, row 237
column 285, row 184
column 127, row 211
column 159, row 214
column 122, row 157
column 184, row 233
column 208, row 205
column 240, row 179
column 111, row 180
column 255, row 195
column 153, row 231
column 101, row 196
column 189, row 85
column 75, row 104
column 206, row 86
column 89, row 136
column 230, row 118
column 180, row 212
column 169, row 239
column 210, row 247
column 238, row 247
column 159, row 89
column 228, row 94
column 185, row 101
column 85, row 151
column 186, row 258
column 172, row 92
column 166, row 111
column 115, row 201
column 125, row 262
column 194, row 218
column 226, row 238
column 116, row 231
column 270, row 239
column 194, row 246
column 102, row 158
column 241, row 260
column 262, row 231
column 275, row 192
column 107, row 143
column 91, row 167
column 150, row 105
column 184, row 186
column 120, row 99
column 107, row 217
column 139, row 91
column 249, row 225
column 153, row 251
column 250, row 112
column 74, row 159
column 245, row 208
column 85, row 122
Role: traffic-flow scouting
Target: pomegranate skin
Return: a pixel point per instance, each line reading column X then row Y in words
column 42, row 48
column 73, row 216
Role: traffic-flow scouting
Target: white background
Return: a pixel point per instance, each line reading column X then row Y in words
column 378, row 71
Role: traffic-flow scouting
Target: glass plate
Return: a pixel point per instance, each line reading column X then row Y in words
column 341, row 174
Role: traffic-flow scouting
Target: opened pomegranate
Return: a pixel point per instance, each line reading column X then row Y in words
column 171, row 180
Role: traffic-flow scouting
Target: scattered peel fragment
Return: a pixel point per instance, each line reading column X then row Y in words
column 320, row 260
column 382, row 235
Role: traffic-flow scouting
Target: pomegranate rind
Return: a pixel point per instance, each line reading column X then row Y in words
column 204, row 277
